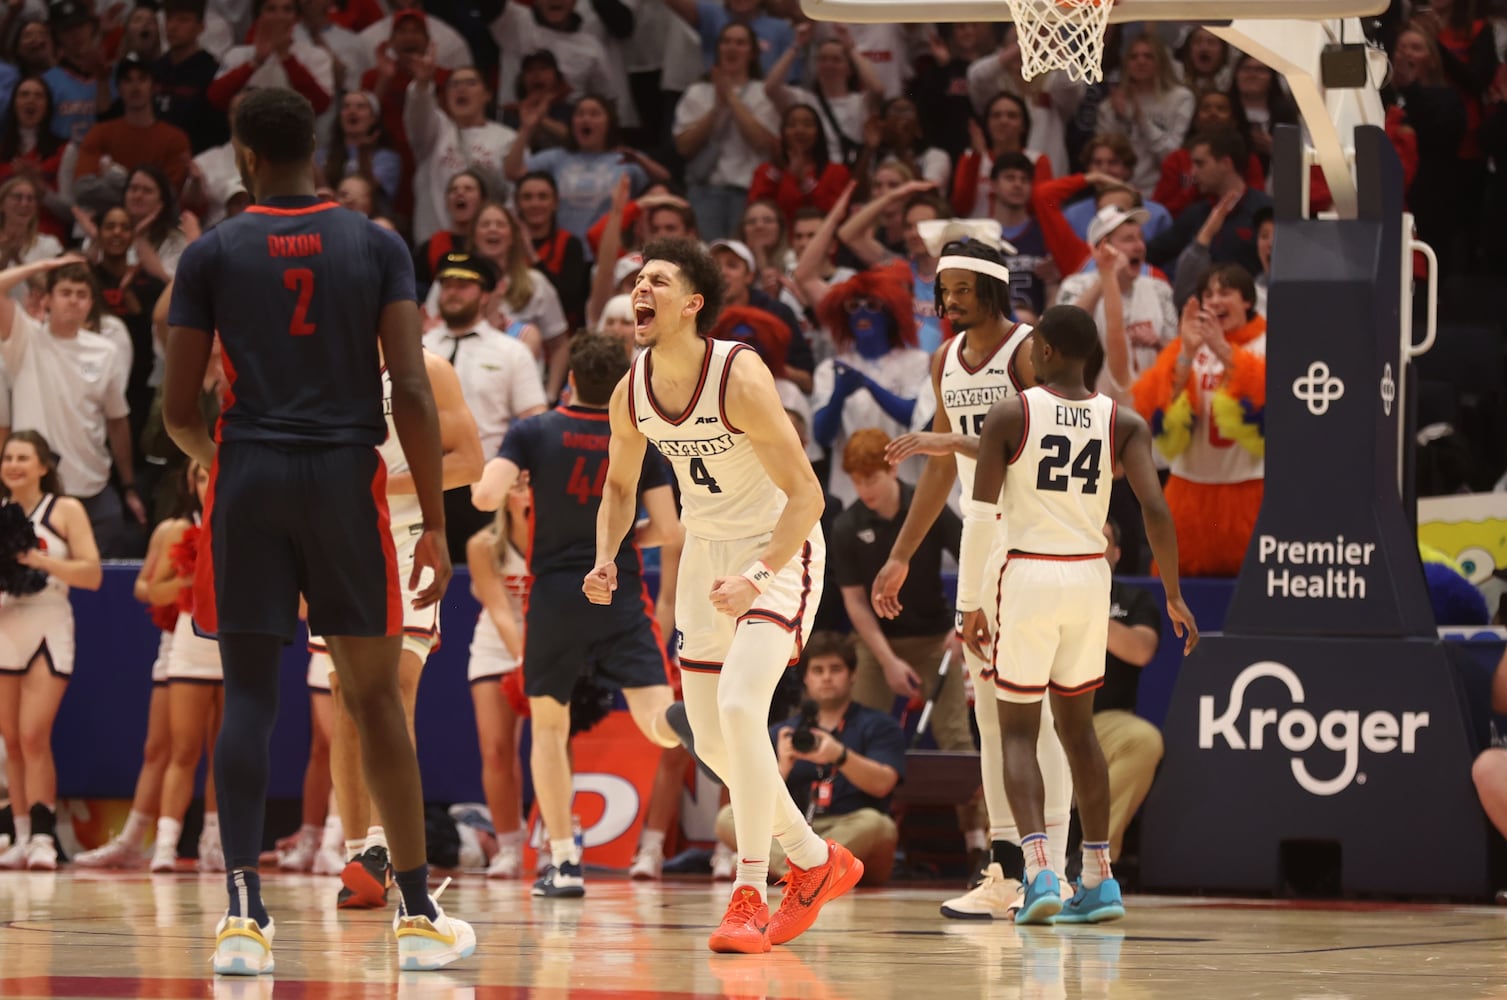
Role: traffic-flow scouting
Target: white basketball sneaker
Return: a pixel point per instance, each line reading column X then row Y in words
column 242, row 948
column 42, row 853
column 118, row 853
column 211, row 854
column 648, row 864
column 994, row 898
column 299, row 857
column 425, row 945
column 13, row 856
column 507, row 862
column 164, row 857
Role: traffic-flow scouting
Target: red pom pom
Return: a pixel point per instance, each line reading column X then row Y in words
column 184, row 556
column 164, row 616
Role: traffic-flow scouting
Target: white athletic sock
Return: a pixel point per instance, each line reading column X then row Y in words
column 754, row 874
column 211, row 826
column 513, row 838
column 309, row 832
column 137, row 824
column 1034, row 848
column 652, row 840
column 168, row 831
column 563, row 851
column 1095, row 864
column 375, row 837
column 353, row 849
column 23, row 828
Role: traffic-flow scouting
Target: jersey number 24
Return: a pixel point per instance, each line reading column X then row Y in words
column 1053, row 474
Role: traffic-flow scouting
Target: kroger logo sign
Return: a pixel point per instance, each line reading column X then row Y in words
column 1343, row 732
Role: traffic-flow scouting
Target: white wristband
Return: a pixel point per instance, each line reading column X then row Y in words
column 760, row 575
column 980, row 526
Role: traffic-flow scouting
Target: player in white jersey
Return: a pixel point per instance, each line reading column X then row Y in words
column 1062, row 442
column 750, row 574
column 366, row 877
column 36, row 639
column 989, row 360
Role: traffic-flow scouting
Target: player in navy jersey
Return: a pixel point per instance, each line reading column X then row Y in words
column 564, row 452
column 301, row 293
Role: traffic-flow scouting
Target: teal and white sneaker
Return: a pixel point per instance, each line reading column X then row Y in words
column 425, row 945
column 242, row 948
column 1094, row 906
column 1043, row 899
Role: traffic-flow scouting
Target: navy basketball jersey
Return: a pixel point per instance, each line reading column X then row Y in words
column 295, row 288
column 1031, row 251
column 565, row 453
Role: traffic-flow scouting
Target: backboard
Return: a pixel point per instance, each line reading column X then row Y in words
column 932, row 11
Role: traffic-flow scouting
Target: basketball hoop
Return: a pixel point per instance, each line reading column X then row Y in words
column 1061, row 34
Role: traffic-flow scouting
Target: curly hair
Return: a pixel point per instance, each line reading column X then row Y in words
column 701, row 274
column 890, row 284
column 993, row 294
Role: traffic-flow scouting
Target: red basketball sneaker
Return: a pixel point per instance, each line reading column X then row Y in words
column 745, row 926
column 807, row 890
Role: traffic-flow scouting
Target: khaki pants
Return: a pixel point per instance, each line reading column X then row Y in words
column 949, row 716
column 1132, row 749
column 868, row 833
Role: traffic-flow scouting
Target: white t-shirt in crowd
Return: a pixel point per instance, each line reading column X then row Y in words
column 443, row 149
column 849, row 110
column 450, row 49
column 589, row 64
column 271, row 73
column 887, row 47
column 736, row 160
column 906, row 372
column 44, row 247
column 498, row 377
column 67, row 389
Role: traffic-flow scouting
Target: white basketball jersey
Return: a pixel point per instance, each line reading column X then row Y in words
column 1057, row 488
column 724, row 491
column 402, row 508
column 968, row 393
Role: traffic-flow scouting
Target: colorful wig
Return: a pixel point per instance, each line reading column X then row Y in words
column 890, row 284
column 763, row 331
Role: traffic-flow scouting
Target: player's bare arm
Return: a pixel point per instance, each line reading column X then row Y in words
column 188, row 352
column 753, row 406
column 662, row 527
column 1001, row 435
column 619, row 508
column 932, row 489
column 498, row 477
column 460, row 441
column 416, row 418
column 1134, row 437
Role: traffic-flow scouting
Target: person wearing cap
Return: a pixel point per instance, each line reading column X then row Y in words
column 498, row 376
column 1150, row 319
column 80, row 82
column 114, row 148
column 276, row 58
column 184, row 73
column 451, row 50
column 739, row 267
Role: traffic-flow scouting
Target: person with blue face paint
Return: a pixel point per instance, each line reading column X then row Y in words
column 874, row 378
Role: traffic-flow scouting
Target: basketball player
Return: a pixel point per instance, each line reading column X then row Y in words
column 750, row 573
column 565, row 453
column 989, row 360
column 301, row 292
column 1052, row 593
column 366, row 872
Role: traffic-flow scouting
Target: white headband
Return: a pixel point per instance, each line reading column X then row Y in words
column 976, row 264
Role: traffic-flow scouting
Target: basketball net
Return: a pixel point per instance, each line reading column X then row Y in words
column 1061, row 34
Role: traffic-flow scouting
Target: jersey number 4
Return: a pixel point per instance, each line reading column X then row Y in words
column 1050, row 474
column 300, row 280
column 701, row 477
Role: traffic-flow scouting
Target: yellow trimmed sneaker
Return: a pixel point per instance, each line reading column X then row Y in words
column 242, row 948
column 425, row 945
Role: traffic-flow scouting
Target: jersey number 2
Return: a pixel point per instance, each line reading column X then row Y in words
column 300, row 280
column 1049, row 474
column 701, row 477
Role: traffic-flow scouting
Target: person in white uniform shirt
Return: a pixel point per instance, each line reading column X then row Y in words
column 449, row 134
column 276, row 58
column 67, row 382
column 36, row 641
column 498, row 376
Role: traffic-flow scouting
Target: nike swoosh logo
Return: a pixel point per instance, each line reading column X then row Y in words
column 808, row 900
column 642, row 419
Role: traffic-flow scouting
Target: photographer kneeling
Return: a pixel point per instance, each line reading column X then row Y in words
column 840, row 761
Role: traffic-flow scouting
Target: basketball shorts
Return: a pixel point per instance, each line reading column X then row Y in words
column 421, row 626
column 490, row 659
column 566, row 636
column 33, row 630
column 789, row 602
column 1053, row 626
column 164, row 650
column 193, row 657
column 285, row 520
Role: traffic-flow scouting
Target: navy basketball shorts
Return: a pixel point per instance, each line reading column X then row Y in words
column 291, row 520
column 566, row 636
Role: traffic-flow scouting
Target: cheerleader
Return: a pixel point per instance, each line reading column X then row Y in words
column 160, row 596
column 500, row 581
column 196, row 700
column 36, row 639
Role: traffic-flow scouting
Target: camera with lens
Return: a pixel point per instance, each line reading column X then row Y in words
column 803, row 738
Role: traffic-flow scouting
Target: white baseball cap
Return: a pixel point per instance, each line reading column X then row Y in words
column 1110, row 218
column 626, row 267
column 737, row 247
